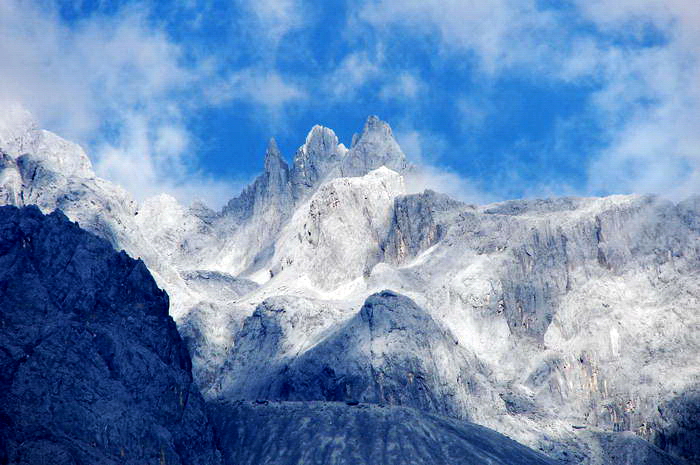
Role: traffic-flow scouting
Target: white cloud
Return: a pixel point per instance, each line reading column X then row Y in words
column 499, row 32
column 267, row 88
column 115, row 84
column 651, row 100
column 403, row 87
column 275, row 18
column 643, row 55
column 423, row 149
column 354, row 71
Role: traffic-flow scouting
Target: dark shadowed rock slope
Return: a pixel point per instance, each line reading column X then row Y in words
column 291, row 433
column 92, row 369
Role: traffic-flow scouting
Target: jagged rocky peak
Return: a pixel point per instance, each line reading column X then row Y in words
column 276, row 174
column 316, row 159
column 321, row 158
column 274, row 163
column 271, row 189
column 373, row 148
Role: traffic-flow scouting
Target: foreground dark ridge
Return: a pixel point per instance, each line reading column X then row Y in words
column 92, row 368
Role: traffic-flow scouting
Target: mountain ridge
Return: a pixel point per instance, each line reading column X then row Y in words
column 584, row 310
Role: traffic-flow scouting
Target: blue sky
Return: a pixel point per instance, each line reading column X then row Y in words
column 499, row 99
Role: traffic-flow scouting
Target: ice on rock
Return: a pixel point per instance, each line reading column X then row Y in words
column 335, row 236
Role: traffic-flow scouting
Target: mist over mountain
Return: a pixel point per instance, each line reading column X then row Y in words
column 571, row 325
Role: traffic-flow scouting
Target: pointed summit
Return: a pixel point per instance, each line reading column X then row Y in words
column 373, row 148
column 275, row 180
column 271, row 189
column 374, row 127
column 273, row 158
column 316, row 159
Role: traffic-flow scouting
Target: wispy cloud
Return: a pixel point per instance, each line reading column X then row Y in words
column 404, row 87
column 423, row 150
column 276, row 17
column 267, row 88
column 354, row 71
column 641, row 56
column 116, row 83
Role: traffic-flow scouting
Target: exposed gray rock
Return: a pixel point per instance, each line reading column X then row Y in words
column 676, row 428
column 290, row 433
column 316, row 160
column 391, row 352
column 92, row 369
column 629, row 449
column 417, row 224
column 224, row 285
column 373, row 148
column 271, row 190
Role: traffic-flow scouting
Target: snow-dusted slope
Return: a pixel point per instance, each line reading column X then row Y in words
column 580, row 315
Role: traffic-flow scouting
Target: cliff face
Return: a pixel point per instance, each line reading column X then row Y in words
column 92, row 369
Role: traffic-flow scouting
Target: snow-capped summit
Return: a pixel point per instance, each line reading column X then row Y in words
column 20, row 136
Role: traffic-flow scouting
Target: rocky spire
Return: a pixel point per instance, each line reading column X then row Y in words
column 320, row 158
column 316, row 159
column 373, row 148
column 275, row 180
column 273, row 158
column 272, row 187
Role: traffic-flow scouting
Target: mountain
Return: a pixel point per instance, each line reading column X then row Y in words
column 93, row 369
column 94, row 372
column 565, row 323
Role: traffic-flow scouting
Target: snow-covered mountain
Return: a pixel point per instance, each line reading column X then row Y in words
column 564, row 323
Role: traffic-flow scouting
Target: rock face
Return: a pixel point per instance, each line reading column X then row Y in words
column 336, row 235
column 416, row 225
column 316, row 160
column 92, row 369
column 338, row 434
column 391, row 352
column 373, row 148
